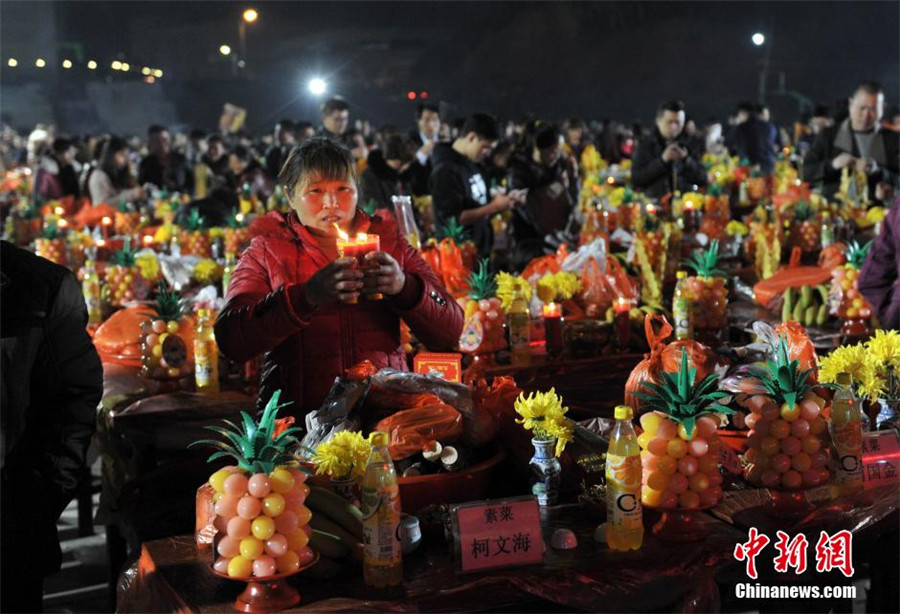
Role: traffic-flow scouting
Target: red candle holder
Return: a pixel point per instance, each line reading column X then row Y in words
column 357, row 247
column 622, row 323
column 553, row 329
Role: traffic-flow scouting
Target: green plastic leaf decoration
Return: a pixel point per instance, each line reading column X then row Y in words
column 706, row 263
column 456, row 231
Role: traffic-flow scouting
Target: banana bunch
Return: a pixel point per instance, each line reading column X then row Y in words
column 336, row 531
column 636, row 314
column 808, row 305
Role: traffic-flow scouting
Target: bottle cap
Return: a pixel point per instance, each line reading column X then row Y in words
column 624, row 412
column 844, row 379
column 680, row 274
column 378, row 439
column 203, row 313
column 229, row 255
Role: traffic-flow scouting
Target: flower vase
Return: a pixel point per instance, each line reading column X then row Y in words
column 545, row 467
column 347, row 488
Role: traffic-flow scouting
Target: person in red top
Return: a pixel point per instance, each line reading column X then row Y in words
column 289, row 296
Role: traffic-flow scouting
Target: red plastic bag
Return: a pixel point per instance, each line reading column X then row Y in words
column 490, row 403
column 361, row 371
column 800, row 347
column 118, row 340
column 412, row 430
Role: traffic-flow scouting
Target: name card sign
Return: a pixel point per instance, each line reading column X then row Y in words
column 449, row 365
column 501, row 533
column 880, row 458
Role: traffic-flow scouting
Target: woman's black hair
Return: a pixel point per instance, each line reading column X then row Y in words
column 319, row 156
column 107, row 161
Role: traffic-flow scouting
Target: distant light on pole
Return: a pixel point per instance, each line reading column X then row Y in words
column 758, row 38
column 317, row 86
column 116, row 65
column 92, row 65
column 158, row 73
column 423, row 95
column 67, row 64
column 241, row 63
column 225, row 50
column 145, row 70
column 40, row 63
column 411, row 95
column 126, row 66
column 250, row 15
column 12, row 62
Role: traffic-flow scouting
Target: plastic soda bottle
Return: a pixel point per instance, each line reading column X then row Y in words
column 90, row 288
column 519, row 324
column 827, row 230
column 382, row 555
column 846, row 433
column 624, row 515
column 227, row 271
column 206, row 354
column 682, row 306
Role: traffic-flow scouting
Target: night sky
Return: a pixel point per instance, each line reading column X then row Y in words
column 595, row 60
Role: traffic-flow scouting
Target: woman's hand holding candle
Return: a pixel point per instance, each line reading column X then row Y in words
column 383, row 275
column 339, row 281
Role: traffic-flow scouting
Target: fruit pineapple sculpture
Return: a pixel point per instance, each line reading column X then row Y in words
column 236, row 234
column 194, row 238
column 806, row 232
column 846, row 298
column 680, row 446
column 51, row 244
column 786, row 447
column 709, row 294
column 259, row 504
column 482, row 306
column 167, row 339
column 652, row 240
column 123, row 279
column 460, row 236
column 127, row 221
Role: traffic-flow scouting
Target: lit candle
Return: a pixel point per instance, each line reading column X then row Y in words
column 651, row 209
column 63, row 223
column 357, row 247
column 622, row 321
column 689, row 216
column 59, row 211
column 552, row 313
column 105, row 223
column 148, row 241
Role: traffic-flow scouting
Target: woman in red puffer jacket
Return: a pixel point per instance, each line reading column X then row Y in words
column 291, row 295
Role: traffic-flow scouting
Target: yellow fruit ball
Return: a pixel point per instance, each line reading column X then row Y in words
column 273, row 505
column 650, row 422
column 281, row 481
column 676, row 448
column 157, row 351
column 689, row 499
column 682, row 432
column 658, row 481
column 173, row 372
column 240, row 567
column 650, row 497
column 287, row 562
column 251, row 548
column 217, row 480
column 262, row 527
column 172, row 326
column 644, row 439
column 788, row 413
column 297, row 540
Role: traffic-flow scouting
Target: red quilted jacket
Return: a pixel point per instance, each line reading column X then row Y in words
column 305, row 348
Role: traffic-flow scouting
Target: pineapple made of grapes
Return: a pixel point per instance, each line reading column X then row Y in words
column 460, row 236
column 122, row 279
column 127, row 220
column 806, row 229
column 716, row 213
column 845, row 298
column 260, row 515
column 484, row 315
column 51, row 244
column 709, row 296
column 167, row 339
column 236, row 234
column 787, row 442
column 194, row 238
column 680, row 445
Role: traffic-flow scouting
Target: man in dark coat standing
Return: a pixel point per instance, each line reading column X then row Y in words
column 52, row 382
column 754, row 138
column 662, row 162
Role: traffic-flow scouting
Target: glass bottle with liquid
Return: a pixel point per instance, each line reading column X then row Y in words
column 90, row 288
column 846, row 433
column 624, row 514
column 519, row 325
column 227, row 271
column 206, row 354
column 682, row 306
column 380, row 495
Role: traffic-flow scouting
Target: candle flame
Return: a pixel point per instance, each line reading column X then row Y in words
column 63, row 223
column 106, row 220
column 148, row 239
column 343, row 235
column 59, row 211
column 101, row 242
column 651, row 209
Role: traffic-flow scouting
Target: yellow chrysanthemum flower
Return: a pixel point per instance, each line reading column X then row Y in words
column 343, row 456
column 207, row 271
column 884, row 347
column 148, row 265
column 543, row 414
column 872, row 386
column 558, row 286
column 735, row 227
column 850, row 359
column 508, row 286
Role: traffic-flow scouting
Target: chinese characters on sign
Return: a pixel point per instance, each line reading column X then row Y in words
column 880, row 458
column 499, row 534
column 448, row 365
column 833, row 552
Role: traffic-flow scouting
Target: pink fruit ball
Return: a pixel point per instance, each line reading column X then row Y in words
column 708, row 463
column 714, row 479
column 658, row 446
column 238, row 528
column 236, row 484
column 264, row 566
column 780, row 429
column 276, row 545
column 770, row 412
column 698, row 482
column 307, row 529
column 689, row 500
column 221, row 564
column 763, row 427
column 229, row 547
column 756, row 404
column 763, row 461
column 770, row 478
column 709, row 498
column 751, row 420
column 667, row 430
column 790, row 445
column 697, row 447
column 809, row 410
column 287, row 522
column 259, row 486
column 249, row 507
column 819, row 459
column 801, row 462
column 769, row 446
column 810, row 444
column 649, row 462
column 812, row 477
column 227, row 506
column 791, row 479
column 707, row 426
column 780, row 463
column 687, row 466
column 800, row 428
column 678, row 483
column 294, row 500
column 299, row 476
column 754, row 440
column 668, row 500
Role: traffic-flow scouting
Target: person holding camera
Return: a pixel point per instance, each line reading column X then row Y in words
column 662, row 162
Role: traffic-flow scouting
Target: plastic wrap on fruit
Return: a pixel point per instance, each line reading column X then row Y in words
column 118, row 340
column 178, row 269
column 800, row 347
column 360, row 371
column 403, row 382
column 339, row 412
column 412, row 430
column 576, row 262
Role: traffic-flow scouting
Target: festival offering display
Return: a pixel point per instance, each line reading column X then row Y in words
column 51, row 244
column 167, row 339
column 194, row 239
column 484, row 314
column 237, row 234
column 123, row 279
column 709, row 296
column 847, row 300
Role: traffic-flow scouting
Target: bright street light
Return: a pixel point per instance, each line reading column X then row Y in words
column 317, row 86
column 12, row 62
column 758, row 38
column 67, row 63
column 40, row 63
column 116, row 65
column 158, row 73
column 250, row 15
column 92, row 65
column 126, row 66
column 225, row 50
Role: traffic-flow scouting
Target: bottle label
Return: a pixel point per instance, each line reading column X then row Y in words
column 381, row 526
column 202, row 364
column 847, row 437
column 623, row 492
column 681, row 312
column 519, row 336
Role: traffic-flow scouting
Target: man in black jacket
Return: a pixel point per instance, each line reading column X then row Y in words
column 662, row 162
column 754, row 138
column 285, row 139
column 425, row 136
column 52, row 382
column 163, row 167
column 859, row 143
column 458, row 188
